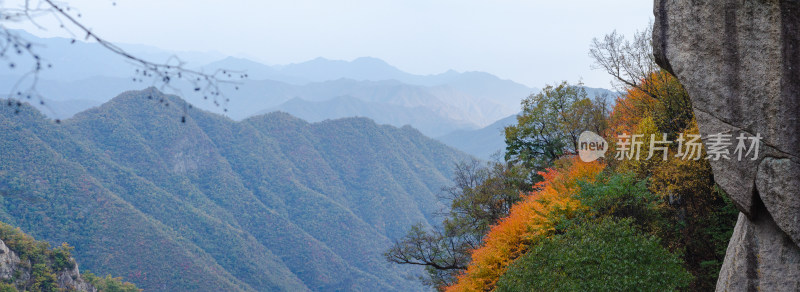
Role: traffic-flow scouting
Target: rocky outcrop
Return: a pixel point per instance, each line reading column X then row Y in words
column 760, row 258
column 18, row 272
column 71, row 279
column 739, row 60
column 9, row 263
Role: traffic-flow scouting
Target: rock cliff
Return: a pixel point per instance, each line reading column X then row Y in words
column 18, row 273
column 739, row 60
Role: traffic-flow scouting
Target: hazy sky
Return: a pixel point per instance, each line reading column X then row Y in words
column 531, row 42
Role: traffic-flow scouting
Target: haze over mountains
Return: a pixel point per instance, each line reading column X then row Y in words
column 487, row 143
column 270, row 203
column 85, row 75
column 84, row 71
column 299, row 187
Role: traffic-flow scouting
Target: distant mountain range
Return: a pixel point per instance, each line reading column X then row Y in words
column 424, row 119
column 269, row 203
column 85, row 75
column 459, row 110
column 477, row 84
column 86, row 72
column 260, row 200
column 487, row 143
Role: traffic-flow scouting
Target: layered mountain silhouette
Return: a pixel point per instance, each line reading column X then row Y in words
column 485, row 143
column 451, row 103
column 269, row 203
column 422, row 118
column 87, row 74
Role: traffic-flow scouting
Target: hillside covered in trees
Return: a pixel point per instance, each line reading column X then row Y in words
column 208, row 204
column 646, row 216
column 619, row 191
column 30, row 265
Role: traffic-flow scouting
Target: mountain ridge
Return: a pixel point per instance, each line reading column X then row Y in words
column 475, row 97
column 483, row 143
column 235, row 202
column 422, row 118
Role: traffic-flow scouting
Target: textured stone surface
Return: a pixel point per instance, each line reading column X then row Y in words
column 8, row 262
column 71, row 279
column 760, row 258
column 18, row 273
column 780, row 192
column 739, row 60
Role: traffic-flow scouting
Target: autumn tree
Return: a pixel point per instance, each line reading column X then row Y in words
column 666, row 209
column 632, row 65
column 480, row 196
column 550, row 124
column 530, row 220
column 697, row 218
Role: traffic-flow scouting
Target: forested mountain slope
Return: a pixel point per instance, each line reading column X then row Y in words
column 268, row 203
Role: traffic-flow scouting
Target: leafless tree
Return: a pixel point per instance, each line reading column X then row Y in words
column 629, row 62
column 162, row 75
column 633, row 66
column 480, row 196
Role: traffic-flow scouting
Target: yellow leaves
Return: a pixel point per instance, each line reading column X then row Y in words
column 530, row 220
column 683, row 177
column 661, row 105
column 643, row 166
column 629, row 110
column 664, row 100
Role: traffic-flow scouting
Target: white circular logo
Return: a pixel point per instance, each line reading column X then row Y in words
column 591, row 146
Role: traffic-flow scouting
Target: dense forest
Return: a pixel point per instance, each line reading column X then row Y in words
column 30, row 265
column 205, row 203
column 152, row 190
column 543, row 219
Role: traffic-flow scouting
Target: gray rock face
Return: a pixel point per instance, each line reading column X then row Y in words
column 9, row 262
column 780, row 192
column 739, row 60
column 759, row 258
column 71, row 279
column 14, row 270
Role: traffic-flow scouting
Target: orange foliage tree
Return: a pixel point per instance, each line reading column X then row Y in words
column 665, row 101
column 699, row 219
column 530, row 220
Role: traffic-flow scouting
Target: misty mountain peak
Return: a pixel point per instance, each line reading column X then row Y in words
column 371, row 61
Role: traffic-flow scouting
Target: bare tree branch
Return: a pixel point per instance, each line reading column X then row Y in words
column 629, row 62
column 163, row 75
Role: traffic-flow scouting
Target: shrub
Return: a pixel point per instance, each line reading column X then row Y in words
column 605, row 255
